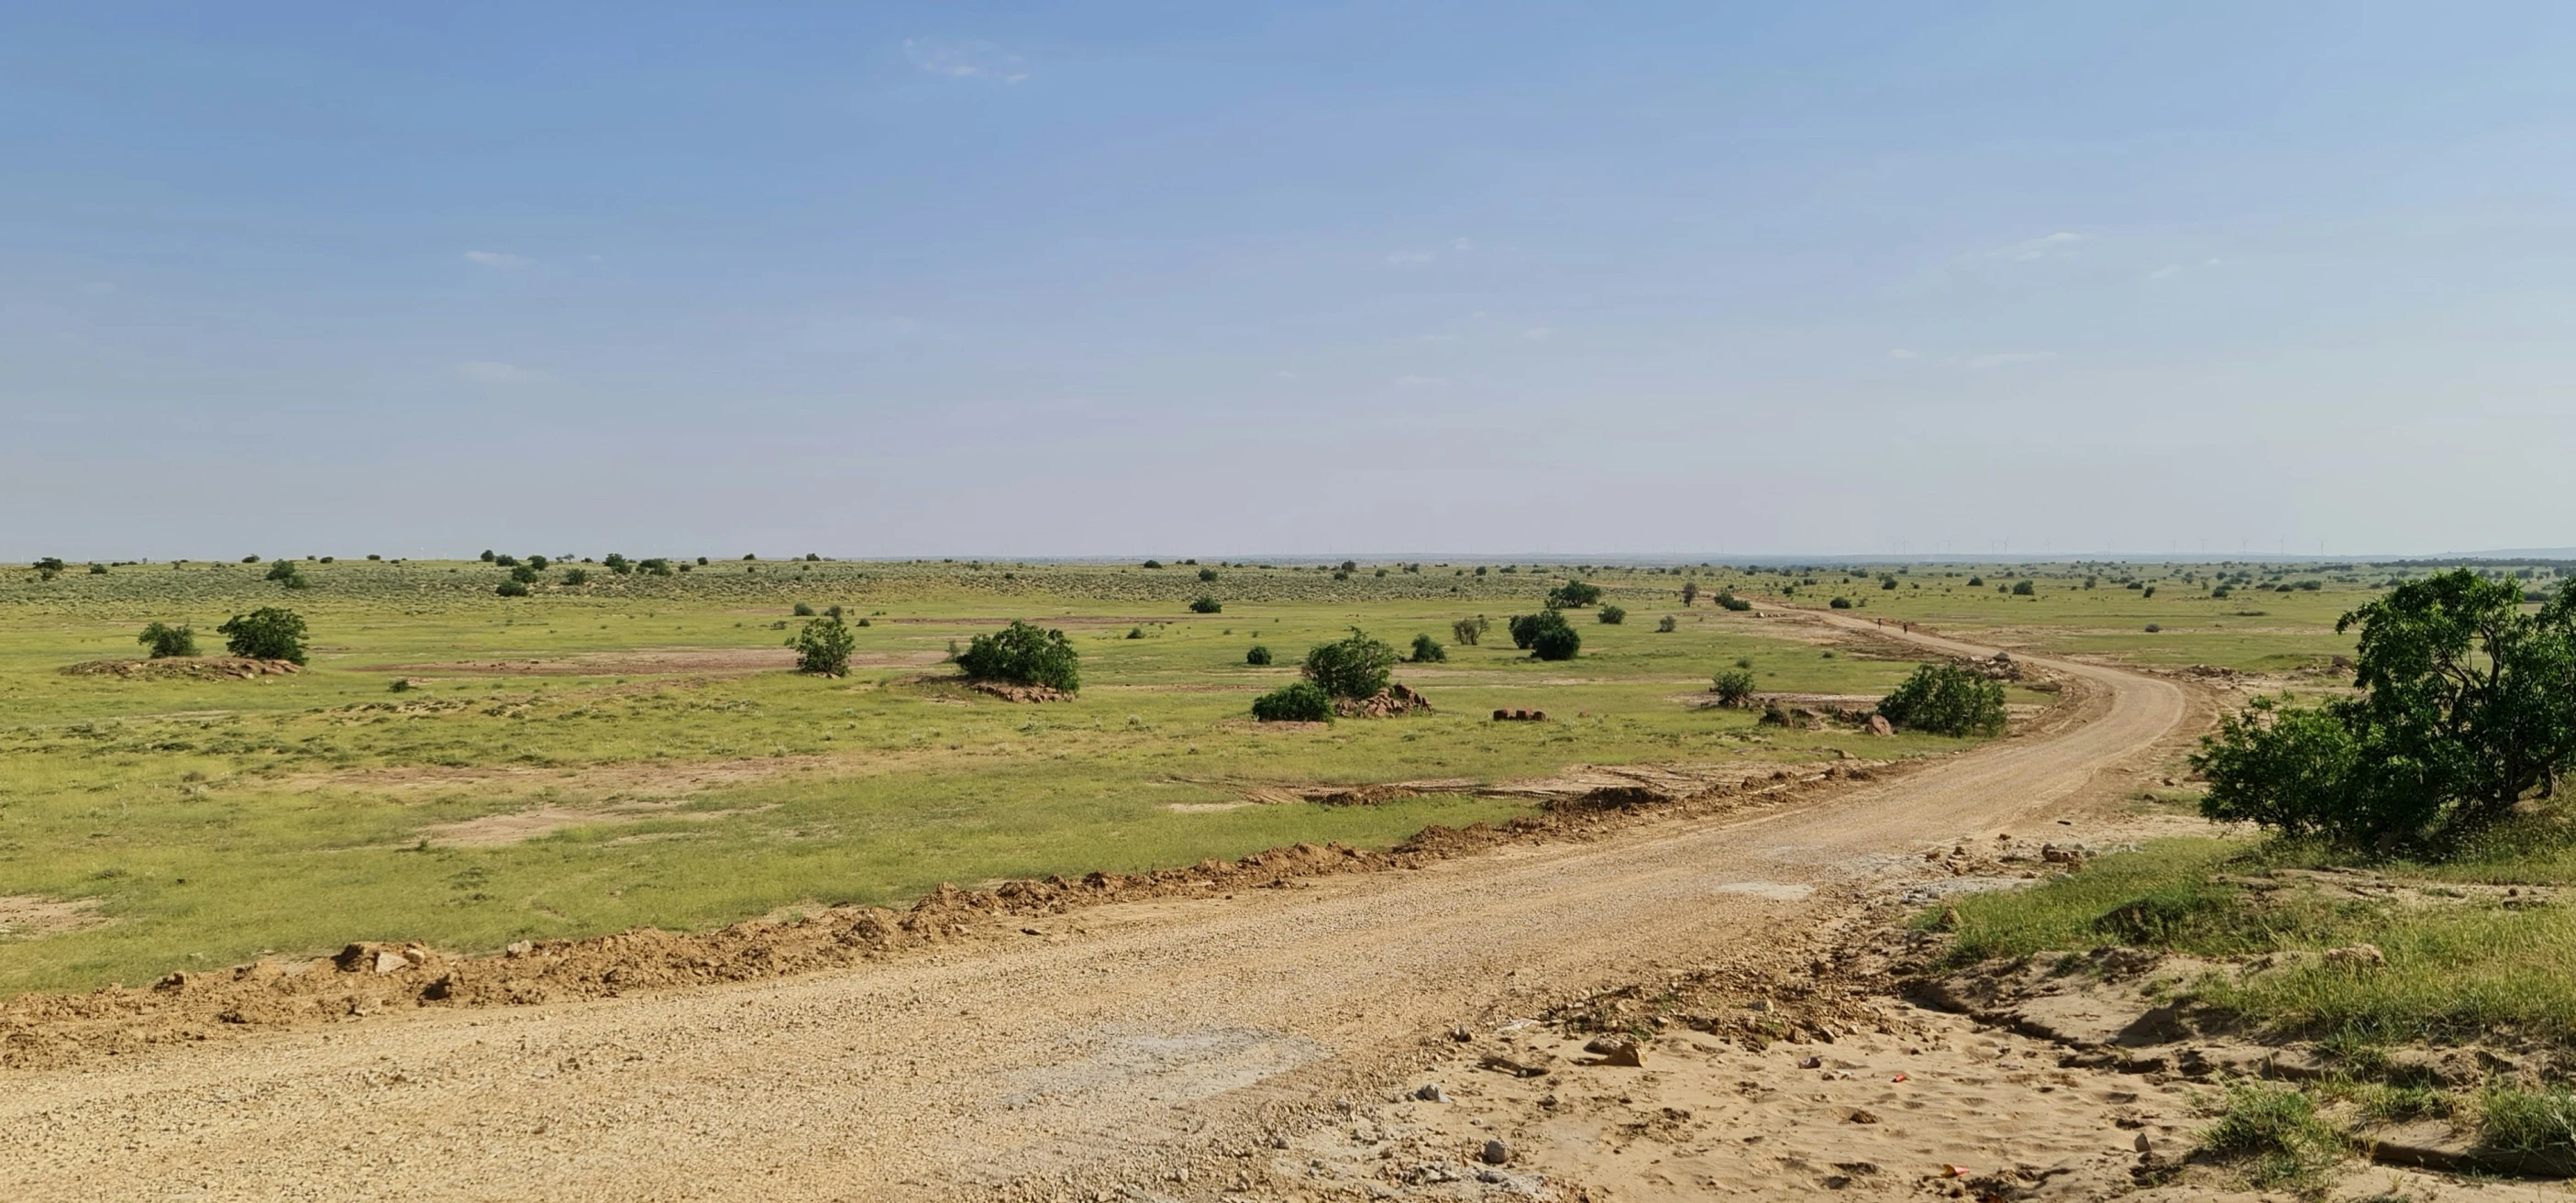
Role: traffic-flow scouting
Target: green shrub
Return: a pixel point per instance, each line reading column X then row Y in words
column 96, row 569
column 1296, row 702
column 2024, row 588
column 1135, row 632
column 284, row 572
column 267, row 633
column 2527, row 1121
column 525, row 574
column 2468, row 709
column 1425, row 651
column 1572, row 595
column 506, row 561
column 1840, row 603
column 1546, row 635
column 1206, row 605
column 577, row 576
column 824, row 647
column 538, row 562
column 616, row 563
column 1733, row 687
column 1690, row 593
column 513, row 587
column 165, row 640
column 1469, row 630
column 1667, row 625
column 1025, row 655
column 1613, row 615
column 800, row 610
column 1726, row 599
column 1258, row 657
column 1207, row 575
column 1352, row 667
column 1946, row 699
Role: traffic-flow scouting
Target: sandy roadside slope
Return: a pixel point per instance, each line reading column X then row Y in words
column 1123, row 1041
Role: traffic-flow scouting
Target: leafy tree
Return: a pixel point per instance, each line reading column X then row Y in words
column 1733, row 687
column 1727, row 600
column 1355, row 666
column 801, row 610
column 506, row 561
column 824, row 647
column 2024, row 588
column 1153, row 563
column 513, row 587
column 267, row 633
column 1427, row 651
column 2468, row 708
column 1207, row 575
column 166, row 640
column 616, row 563
column 1840, row 603
column 97, row 569
column 538, row 562
column 524, row 574
column 1946, row 699
column 1572, row 595
column 1613, row 615
column 1690, row 593
column 1024, row 655
column 1469, row 630
column 489, row 558
column 1547, row 635
column 1206, row 605
column 1667, row 625
column 1296, row 702
column 577, row 576
column 1258, row 657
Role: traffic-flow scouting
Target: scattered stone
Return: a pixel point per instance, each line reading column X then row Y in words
column 1861, row 1116
column 1430, row 1092
column 389, row 962
column 1497, row 1153
column 1878, row 725
column 1614, row 1050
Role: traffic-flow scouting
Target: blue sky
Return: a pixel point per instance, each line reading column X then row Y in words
column 1215, row 280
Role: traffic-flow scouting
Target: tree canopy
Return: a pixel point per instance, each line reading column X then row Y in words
column 2468, row 707
column 1023, row 655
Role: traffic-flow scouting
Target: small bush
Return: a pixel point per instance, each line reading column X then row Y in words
column 2527, row 1121
column 525, row 574
column 801, row 610
column 577, row 576
column 1840, row 603
column 1573, row 595
column 1946, row 699
column 1425, row 651
column 2025, row 589
column 823, row 646
column 2152, row 628
column 267, row 633
column 1207, row 575
column 98, row 570
column 538, row 562
column 282, row 570
column 488, row 557
column 166, row 641
column 1667, row 625
column 616, row 563
column 1727, row 600
column 1733, row 687
column 1153, row 563
column 1297, row 702
column 1469, row 630
column 1135, row 632
column 506, row 561
column 513, row 587
column 1613, row 615
column 1557, row 640
column 1353, row 667
column 1976, row 582
column 1258, row 657
column 1206, row 605
column 1025, row 655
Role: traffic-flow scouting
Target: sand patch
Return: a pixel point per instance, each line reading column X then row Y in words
column 29, row 916
column 519, row 826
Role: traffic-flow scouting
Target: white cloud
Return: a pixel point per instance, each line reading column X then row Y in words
column 486, row 371
column 2008, row 358
column 1461, row 244
column 1421, row 382
column 1408, row 258
column 965, row 60
column 495, row 259
column 1539, row 334
column 2046, row 246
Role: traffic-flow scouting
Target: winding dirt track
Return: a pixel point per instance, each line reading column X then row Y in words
column 1117, row 1042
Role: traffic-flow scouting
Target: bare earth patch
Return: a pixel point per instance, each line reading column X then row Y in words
column 28, row 916
column 654, row 661
column 517, row 826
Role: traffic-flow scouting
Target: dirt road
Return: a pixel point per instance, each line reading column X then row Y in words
column 1116, row 1045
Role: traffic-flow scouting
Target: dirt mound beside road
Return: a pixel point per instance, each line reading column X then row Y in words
column 197, row 668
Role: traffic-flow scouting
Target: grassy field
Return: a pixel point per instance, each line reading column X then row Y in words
column 633, row 751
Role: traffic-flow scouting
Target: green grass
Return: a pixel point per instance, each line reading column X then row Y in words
column 213, row 821
column 2275, row 1134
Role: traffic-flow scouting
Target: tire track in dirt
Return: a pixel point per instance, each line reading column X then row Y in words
column 1123, row 1042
